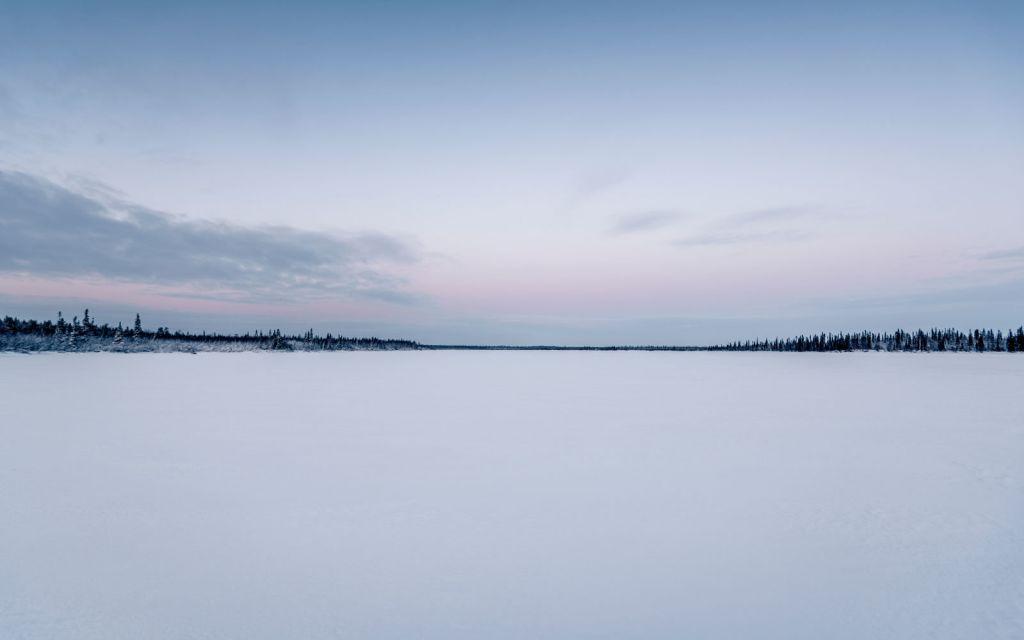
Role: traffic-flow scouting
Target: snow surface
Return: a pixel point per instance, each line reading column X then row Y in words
column 492, row 495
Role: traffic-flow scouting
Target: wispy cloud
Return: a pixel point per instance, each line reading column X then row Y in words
column 1004, row 254
column 744, row 237
column 593, row 185
column 51, row 230
column 643, row 221
column 598, row 181
column 772, row 225
column 775, row 214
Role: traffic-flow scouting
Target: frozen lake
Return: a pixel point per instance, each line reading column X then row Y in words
column 493, row 495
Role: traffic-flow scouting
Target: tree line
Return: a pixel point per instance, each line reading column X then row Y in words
column 87, row 335
column 978, row 341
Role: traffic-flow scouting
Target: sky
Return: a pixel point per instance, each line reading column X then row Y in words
column 515, row 173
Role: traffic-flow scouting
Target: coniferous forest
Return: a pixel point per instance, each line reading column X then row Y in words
column 977, row 340
column 86, row 334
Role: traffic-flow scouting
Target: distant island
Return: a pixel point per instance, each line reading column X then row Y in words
column 86, row 335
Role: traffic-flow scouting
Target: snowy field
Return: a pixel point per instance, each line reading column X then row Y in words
column 493, row 495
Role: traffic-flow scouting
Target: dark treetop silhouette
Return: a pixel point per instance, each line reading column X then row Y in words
column 86, row 335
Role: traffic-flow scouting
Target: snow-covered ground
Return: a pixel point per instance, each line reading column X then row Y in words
column 492, row 495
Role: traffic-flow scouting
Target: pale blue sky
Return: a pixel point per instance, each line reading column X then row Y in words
column 517, row 172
